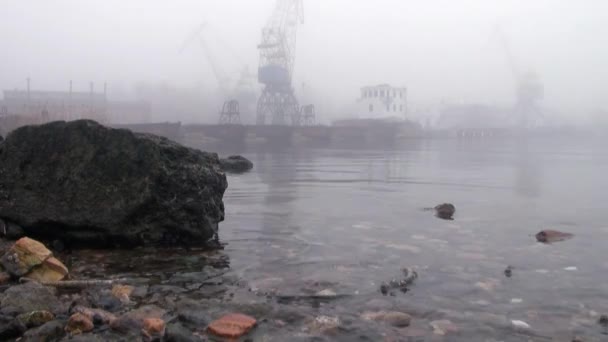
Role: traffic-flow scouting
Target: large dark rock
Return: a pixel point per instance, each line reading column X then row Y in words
column 236, row 164
column 82, row 182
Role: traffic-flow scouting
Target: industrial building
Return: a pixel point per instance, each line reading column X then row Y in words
column 382, row 102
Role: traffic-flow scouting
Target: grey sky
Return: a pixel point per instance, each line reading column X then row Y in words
column 440, row 50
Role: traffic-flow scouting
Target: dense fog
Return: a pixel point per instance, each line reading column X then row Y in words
column 444, row 52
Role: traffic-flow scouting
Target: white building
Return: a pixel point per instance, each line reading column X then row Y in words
column 382, row 102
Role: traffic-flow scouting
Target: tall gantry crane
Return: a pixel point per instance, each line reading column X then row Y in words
column 277, row 57
column 529, row 89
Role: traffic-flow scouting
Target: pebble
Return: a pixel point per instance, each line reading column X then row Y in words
column 153, row 328
column 78, row 324
column 520, row 324
column 232, row 325
column 324, row 324
column 326, row 293
column 488, row 285
column 603, row 320
column 442, row 327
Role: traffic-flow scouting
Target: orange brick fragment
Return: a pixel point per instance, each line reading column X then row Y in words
column 232, row 325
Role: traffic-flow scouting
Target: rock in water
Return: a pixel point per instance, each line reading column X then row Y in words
column 236, row 164
column 549, row 236
column 82, row 182
column 445, row 211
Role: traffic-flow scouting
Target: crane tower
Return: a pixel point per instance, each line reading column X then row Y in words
column 277, row 57
column 529, row 89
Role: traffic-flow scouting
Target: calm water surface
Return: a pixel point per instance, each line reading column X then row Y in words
column 346, row 220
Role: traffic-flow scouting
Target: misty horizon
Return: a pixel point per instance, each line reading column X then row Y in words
column 442, row 52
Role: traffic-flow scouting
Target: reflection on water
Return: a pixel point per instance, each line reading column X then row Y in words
column 352, row 218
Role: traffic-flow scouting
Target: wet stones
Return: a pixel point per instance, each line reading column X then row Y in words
column 50, row 331
column 550, row 236
column 122, row 293
column 30, row 297
column 402, row 284
column 443, row 327
column 153, row 329
column 232, row 325
column 324, row 324
column 134, row 320
column 236, row 164
column 78, row 324
column 445, row 211
column 97, row 316
column 35, row 318
column 24, row 255
column 30, row 258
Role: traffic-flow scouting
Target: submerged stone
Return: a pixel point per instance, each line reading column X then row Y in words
column 236, row 164
column 232, row 325
column 153, row 329
column 49, row 331
column 445, row 211
column 83, row 183
column 78, row 324
column 549, row 236
column 35, row 318
column 30, row 297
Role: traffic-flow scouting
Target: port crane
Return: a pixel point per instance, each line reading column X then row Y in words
column 277, row 58
column 529, row 89
column 238, row 93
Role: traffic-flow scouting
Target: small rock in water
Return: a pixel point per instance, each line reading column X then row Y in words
column 97, row 316
column 30, row 297
column 549, row 236
column 488, row 285
column 78, row 324
column 236, row 164
column 153, row 329
column 509, row 271
column 520, row 324
column 51, row 270
column 445, row 211
column 443, row 327
column 122, row 293
column 232, row 325
column 50, row 331
column 384, row 288
column 324, row 324
column 24, row 255
column 570, row 268
column 35, row 318
column 326, row 293
column 603, row 320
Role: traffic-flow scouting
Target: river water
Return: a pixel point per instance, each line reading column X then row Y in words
column 345, row 220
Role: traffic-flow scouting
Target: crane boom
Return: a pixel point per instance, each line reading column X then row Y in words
column 277, row 49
